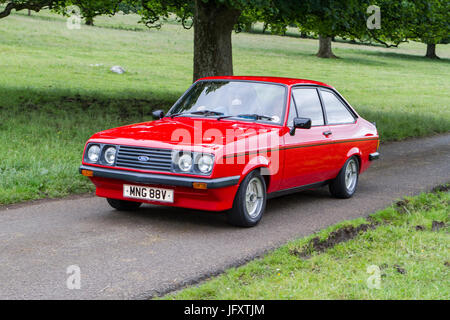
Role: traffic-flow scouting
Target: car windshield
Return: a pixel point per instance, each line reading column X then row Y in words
column 233, row 99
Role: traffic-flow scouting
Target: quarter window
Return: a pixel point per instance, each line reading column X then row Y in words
column 308, row 105
column 337, row 112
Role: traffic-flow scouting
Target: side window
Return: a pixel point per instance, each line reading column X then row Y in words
column 336, row 111
column 292, row 113
column 308, row 105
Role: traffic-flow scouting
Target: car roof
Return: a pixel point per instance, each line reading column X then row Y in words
column 280, row 80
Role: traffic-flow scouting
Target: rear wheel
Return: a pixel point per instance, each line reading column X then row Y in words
column 123, row 205
column 250, row 201
column 344, row 186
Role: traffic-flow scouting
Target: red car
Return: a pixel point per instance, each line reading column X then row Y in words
column 230, row 143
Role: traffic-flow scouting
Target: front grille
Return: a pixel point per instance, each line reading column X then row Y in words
column 159, row 159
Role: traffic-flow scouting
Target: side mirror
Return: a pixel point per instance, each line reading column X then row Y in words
column 300, row 123
column 158, row 114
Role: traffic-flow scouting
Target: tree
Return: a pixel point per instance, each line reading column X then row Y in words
column 426, row 21
column 89, row 8
column 431, row 24
column 19, row 5
column 396, row 17
column 329, row 18
column 88, row 17
column 213, row 22
column 325, row 18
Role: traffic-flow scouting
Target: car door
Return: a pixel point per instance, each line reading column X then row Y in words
column 342, row 125
column 307, row 152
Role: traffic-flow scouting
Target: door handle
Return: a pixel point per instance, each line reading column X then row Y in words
column 327, row 133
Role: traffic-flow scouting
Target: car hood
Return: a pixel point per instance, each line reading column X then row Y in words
column 186, row 133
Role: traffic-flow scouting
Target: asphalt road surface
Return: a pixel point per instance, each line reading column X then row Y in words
column 158, row 249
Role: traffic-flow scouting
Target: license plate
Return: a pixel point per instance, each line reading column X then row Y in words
column 147, row 193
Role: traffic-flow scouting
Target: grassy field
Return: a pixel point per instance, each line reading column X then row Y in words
column 412, row 257
column 53, row 97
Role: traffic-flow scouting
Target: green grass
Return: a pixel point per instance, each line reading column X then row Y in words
column 52, row 99
column 413, row 264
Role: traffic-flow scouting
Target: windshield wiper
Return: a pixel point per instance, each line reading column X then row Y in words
column 208, row 113
column 225, row 117
column 255, row 116
column 177, row 114
column 248, row 116
column 202, row 112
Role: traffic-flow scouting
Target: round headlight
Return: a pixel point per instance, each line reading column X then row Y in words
column 205, row 163
column 185, row 163
column 94, row 153
column 110, row 155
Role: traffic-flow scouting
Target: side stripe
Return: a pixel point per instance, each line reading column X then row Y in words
column 298, row 147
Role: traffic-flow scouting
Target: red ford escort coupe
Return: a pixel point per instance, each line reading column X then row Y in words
column 230, row 143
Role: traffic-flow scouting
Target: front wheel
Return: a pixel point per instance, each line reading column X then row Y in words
column 344, row 186
column 250, row 201
column 123, row 205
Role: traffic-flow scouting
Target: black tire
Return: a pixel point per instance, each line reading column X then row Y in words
column 123, row 205
column 238, row 215
column 338, row 187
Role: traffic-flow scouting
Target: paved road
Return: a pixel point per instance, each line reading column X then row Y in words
column 135, row 255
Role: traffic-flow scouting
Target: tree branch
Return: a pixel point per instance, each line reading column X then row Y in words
column 151, row 16
column 387, row 45
column 35, row 6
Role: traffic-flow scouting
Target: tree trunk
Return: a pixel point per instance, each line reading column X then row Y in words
column 325, row 47
column 431, row 51
column 89, row 21
column 213, row 25
column 29, row 12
